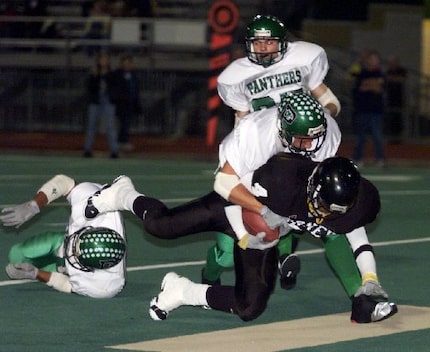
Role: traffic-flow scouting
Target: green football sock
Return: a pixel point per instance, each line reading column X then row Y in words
column 288, row 244
column 219, row 257
column 339, row 255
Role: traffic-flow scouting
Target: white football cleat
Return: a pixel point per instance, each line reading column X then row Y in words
column 366, row 309
column 112, row 197
column 171, row 296
column 383, row 310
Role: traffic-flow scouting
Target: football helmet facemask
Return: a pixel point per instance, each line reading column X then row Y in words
column 264, row 28
column 333, row 187
column 301, row 116
column 94, row 248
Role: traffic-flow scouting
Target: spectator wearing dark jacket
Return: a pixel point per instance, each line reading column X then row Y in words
column 102, row 92
column 369, row 104
column 128, row 104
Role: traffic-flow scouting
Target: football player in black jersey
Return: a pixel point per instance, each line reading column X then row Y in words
column 322, row 199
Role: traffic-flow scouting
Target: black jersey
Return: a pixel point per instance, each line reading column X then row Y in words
column 281, row 185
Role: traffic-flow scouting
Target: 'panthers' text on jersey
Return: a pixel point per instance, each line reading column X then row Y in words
column 245, row 86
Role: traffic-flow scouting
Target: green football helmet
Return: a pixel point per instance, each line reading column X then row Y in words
column 266, row 27
column 301, row 115
column 94, row 248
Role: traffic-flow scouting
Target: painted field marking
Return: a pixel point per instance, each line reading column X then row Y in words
column 201, row 262
column 288, row 335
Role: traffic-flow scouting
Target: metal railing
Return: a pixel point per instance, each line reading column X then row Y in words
column 42, row 80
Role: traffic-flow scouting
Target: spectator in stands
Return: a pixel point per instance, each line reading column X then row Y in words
column 102, row 91
column 355, row 68
column 368, row 106
column 396, row 79
column 128, row 103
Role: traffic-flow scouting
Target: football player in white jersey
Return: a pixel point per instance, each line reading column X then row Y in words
column 322, row 199
column 272, row 68
column 300, row 125
column 89, row 259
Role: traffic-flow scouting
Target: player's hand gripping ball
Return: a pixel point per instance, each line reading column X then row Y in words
column 254, row 224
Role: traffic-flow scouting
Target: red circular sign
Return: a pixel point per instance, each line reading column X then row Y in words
column 223, row 16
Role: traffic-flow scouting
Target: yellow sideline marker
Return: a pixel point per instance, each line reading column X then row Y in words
column 282, row 336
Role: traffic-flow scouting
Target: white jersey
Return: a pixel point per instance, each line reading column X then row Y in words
column 245, row 86
column 256, row 139
column 104, row 283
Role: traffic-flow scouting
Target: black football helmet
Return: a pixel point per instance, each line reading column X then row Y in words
column 333, row 187
column 94, row 248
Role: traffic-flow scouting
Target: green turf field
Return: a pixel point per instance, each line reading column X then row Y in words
column 37, row 318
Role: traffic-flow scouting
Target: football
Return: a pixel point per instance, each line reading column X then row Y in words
column 254, row 223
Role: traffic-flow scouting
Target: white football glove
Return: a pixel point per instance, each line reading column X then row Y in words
column 256, row 242
column 21, row 271
column 371, row 288
column 19, row 214
column 274, row 221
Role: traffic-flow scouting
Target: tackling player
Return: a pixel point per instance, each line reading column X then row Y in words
column 298, row 125
column 89, row 259
column 273, row 67
column 336, row 199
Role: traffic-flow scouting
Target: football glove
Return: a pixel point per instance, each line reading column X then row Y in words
column 256, row 242
column 371, row 288
column 19, row 214
column 274, row 221
column 21, row 271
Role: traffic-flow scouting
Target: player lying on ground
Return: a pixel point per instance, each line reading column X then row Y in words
column 334, row 200
column 88, row 259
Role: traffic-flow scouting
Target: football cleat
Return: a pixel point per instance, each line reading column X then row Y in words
column 111, row 197
column 383, row 310
column 289, row 268
column 171, row 296
column 366, row 309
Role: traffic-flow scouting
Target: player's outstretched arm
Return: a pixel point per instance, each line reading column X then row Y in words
column 19, row 214
column 20, row 271
column 59, row 185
